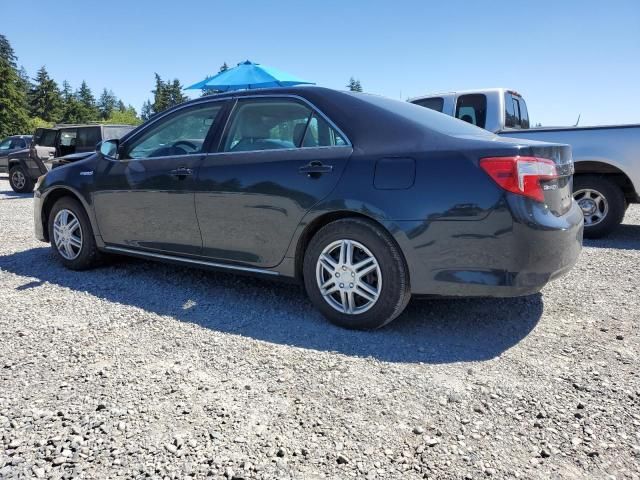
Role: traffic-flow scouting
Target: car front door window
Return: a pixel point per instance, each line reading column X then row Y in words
column 183, row 133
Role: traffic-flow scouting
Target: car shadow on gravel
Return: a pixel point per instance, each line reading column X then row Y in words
column 624, row 237
column 10, row 194
column 430, row 331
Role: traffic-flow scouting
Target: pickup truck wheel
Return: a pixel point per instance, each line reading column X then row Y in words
column 602, row 203
column 19, row 180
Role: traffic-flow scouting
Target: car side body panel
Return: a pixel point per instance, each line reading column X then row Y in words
column 459, row 232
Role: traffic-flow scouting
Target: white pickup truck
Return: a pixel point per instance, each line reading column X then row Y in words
column 607, row 158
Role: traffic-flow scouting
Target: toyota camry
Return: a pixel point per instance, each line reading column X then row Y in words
column 364, row 200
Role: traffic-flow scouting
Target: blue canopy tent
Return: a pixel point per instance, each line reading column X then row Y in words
column 247, row 75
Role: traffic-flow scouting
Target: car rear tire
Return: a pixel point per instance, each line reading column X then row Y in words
column 71, row 235
column 602, row 202
column 356, row 275
column 20, row 181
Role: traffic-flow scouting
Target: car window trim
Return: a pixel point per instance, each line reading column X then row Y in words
column 171, row 112
column 309, row 104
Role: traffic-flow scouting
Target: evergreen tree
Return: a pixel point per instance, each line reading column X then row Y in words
column 354, row 85
column 25, row 80
column 147, row 111
column 45, row 101
column 122, row 107
column 166, row 95
column 161, row 99
column 88, row 111
column 107, row 103
column 176, row 96
column 13, row 102
column 70, row 106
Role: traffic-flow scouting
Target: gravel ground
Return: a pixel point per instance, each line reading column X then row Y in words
column 140, row 369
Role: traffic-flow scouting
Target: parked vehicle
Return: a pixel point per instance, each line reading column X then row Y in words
column 10, row 145
column 51, row 147
column 363, row 199
column 607, row 158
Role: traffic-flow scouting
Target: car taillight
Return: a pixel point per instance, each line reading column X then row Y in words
column 521, row 175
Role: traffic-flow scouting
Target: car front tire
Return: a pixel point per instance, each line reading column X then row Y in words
column 19, row 180
column 356, row 275
column 602, row 202
column 71, row 235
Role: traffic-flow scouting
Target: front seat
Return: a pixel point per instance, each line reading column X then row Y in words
column 467, row 118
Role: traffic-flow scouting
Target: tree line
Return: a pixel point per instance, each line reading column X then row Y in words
column 27, row 103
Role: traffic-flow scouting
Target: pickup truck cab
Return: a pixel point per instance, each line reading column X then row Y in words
column 51, row 147
column 607, row 158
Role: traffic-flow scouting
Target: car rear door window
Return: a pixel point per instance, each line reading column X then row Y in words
column 68, row 141
column 267, row 124
column 6, row 144
column 472, row 108
column 320, row 134
column 182, row 133
column 434, row 103
column 273, row 124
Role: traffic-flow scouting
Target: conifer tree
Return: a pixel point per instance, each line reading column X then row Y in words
column 45, row 100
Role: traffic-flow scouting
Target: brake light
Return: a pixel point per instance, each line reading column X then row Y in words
column 521, row 175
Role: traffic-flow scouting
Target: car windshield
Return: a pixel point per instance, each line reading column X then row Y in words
column 425, row 116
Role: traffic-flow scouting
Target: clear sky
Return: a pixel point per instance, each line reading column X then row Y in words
column 565, row 57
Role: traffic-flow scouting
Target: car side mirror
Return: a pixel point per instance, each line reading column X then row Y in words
column 109, row 148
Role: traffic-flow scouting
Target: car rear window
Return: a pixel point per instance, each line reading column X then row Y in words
column 431, row 119
column 516, row 115
column 472, row 108
column 434, row 103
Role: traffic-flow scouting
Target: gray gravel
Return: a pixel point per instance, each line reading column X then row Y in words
column 141, row 370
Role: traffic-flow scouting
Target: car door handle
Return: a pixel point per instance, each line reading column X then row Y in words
column 315, row 169
column 181, row 172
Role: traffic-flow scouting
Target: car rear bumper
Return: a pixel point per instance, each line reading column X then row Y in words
column 514, row 251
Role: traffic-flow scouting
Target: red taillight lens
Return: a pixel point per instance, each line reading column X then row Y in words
column 521, row 175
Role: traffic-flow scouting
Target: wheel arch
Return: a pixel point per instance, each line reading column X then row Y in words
column 619, row 177
column 52, row 197
column 324, row 219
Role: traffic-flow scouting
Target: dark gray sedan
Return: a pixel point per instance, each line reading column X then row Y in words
column 363, row 199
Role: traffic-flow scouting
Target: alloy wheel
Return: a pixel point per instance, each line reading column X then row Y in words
column 67, row 234
column 349, row 277
column 593, row 204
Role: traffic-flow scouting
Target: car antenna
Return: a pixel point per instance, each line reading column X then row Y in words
column 577, row 121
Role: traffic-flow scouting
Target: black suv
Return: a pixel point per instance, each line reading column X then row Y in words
column 51, row 147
